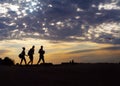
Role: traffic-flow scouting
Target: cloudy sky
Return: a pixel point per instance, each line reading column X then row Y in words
column 82, row 30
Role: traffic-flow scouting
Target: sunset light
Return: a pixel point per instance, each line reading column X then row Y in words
column 68, row 29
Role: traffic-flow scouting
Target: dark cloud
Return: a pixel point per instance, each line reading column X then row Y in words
column 60, row 20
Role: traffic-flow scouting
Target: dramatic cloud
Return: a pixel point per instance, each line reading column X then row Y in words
column 61, row 20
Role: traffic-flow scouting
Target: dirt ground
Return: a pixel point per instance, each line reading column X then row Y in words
column 61, row 75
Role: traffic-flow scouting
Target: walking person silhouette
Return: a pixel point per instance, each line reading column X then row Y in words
column 30, row 54
column 22, row 56
column 41, row 55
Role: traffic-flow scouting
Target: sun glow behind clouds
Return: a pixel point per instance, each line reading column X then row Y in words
column 48, row 20
column 63, row 23
column 104, row 32
column 13, row 11
column 20, row 7
column 54, row 52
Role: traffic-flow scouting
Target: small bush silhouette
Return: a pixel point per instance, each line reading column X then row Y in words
column 6, row 61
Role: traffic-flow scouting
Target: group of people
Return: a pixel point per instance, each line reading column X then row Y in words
column 30, row 54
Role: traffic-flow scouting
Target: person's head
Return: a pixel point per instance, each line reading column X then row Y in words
column 23, row 48
column 41, row 47
column 33, row 46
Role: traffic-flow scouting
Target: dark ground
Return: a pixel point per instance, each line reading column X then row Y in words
column 61, row 75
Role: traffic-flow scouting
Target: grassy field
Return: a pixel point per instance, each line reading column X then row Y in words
column 61, row 75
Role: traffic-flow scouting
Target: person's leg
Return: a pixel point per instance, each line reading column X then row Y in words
column 31, row 59
column 21, row 61
column 25, row 60
column 39, row 60
column 43, row 60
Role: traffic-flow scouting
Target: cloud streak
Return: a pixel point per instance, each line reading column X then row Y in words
column 3, row 52
column 92, row 50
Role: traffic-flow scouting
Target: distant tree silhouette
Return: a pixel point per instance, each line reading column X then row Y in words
column 7, row 61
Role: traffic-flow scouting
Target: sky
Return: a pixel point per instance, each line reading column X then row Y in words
column 86, row 31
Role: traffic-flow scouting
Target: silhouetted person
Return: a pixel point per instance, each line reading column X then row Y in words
column 41, row 57
column 22, row 56
column 30, row 54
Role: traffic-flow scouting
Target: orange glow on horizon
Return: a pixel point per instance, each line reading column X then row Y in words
column 55, row 52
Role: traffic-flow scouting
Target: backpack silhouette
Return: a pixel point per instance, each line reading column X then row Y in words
column 29, row 52
column 20, row 55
